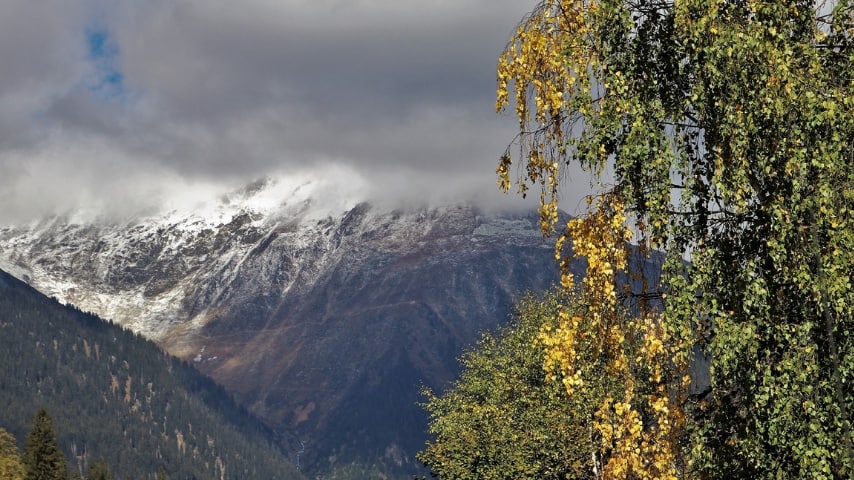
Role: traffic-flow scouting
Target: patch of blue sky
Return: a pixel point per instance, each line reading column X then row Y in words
column 107, row 80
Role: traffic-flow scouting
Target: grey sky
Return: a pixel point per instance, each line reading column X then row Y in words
column 108, row 102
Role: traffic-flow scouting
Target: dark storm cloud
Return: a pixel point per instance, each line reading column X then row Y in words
column 318, row 80
column 37, row 61
column 215, row 90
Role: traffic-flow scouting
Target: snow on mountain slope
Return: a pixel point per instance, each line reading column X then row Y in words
column 324, row 317
column 140, row 271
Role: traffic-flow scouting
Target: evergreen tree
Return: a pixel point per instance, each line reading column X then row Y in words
column 42, row 458
column 99, row 471
column 161, row 474
column 11, row 467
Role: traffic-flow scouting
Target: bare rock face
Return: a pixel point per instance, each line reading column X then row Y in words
column 326, row 322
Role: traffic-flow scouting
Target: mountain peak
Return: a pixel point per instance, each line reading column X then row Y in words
column 306, row 300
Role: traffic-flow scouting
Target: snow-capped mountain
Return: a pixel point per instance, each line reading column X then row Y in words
column 145, row 271
column 323, row 317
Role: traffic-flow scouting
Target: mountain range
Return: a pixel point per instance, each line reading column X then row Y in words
column 324, row 317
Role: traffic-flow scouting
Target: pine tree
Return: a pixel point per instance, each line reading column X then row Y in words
column 99, row 471
column 42, row 458
column 161, row 474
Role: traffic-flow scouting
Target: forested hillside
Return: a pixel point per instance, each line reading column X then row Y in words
column 115, row 395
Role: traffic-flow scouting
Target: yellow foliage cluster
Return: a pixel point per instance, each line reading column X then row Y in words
column 545, row 63
column 552, row 65
column 643, row 449
column 637, row 450
column 638, row 432
column 601, row 237
column 549, row 61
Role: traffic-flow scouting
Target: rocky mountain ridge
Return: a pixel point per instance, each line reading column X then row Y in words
column 322, row 318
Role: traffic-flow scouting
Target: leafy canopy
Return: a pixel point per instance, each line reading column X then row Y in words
column 728, row 127
column 503, row 419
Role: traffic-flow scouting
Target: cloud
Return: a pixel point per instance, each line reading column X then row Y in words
column 98, row 95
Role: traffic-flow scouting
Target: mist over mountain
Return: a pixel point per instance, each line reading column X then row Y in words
column 324, row 314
